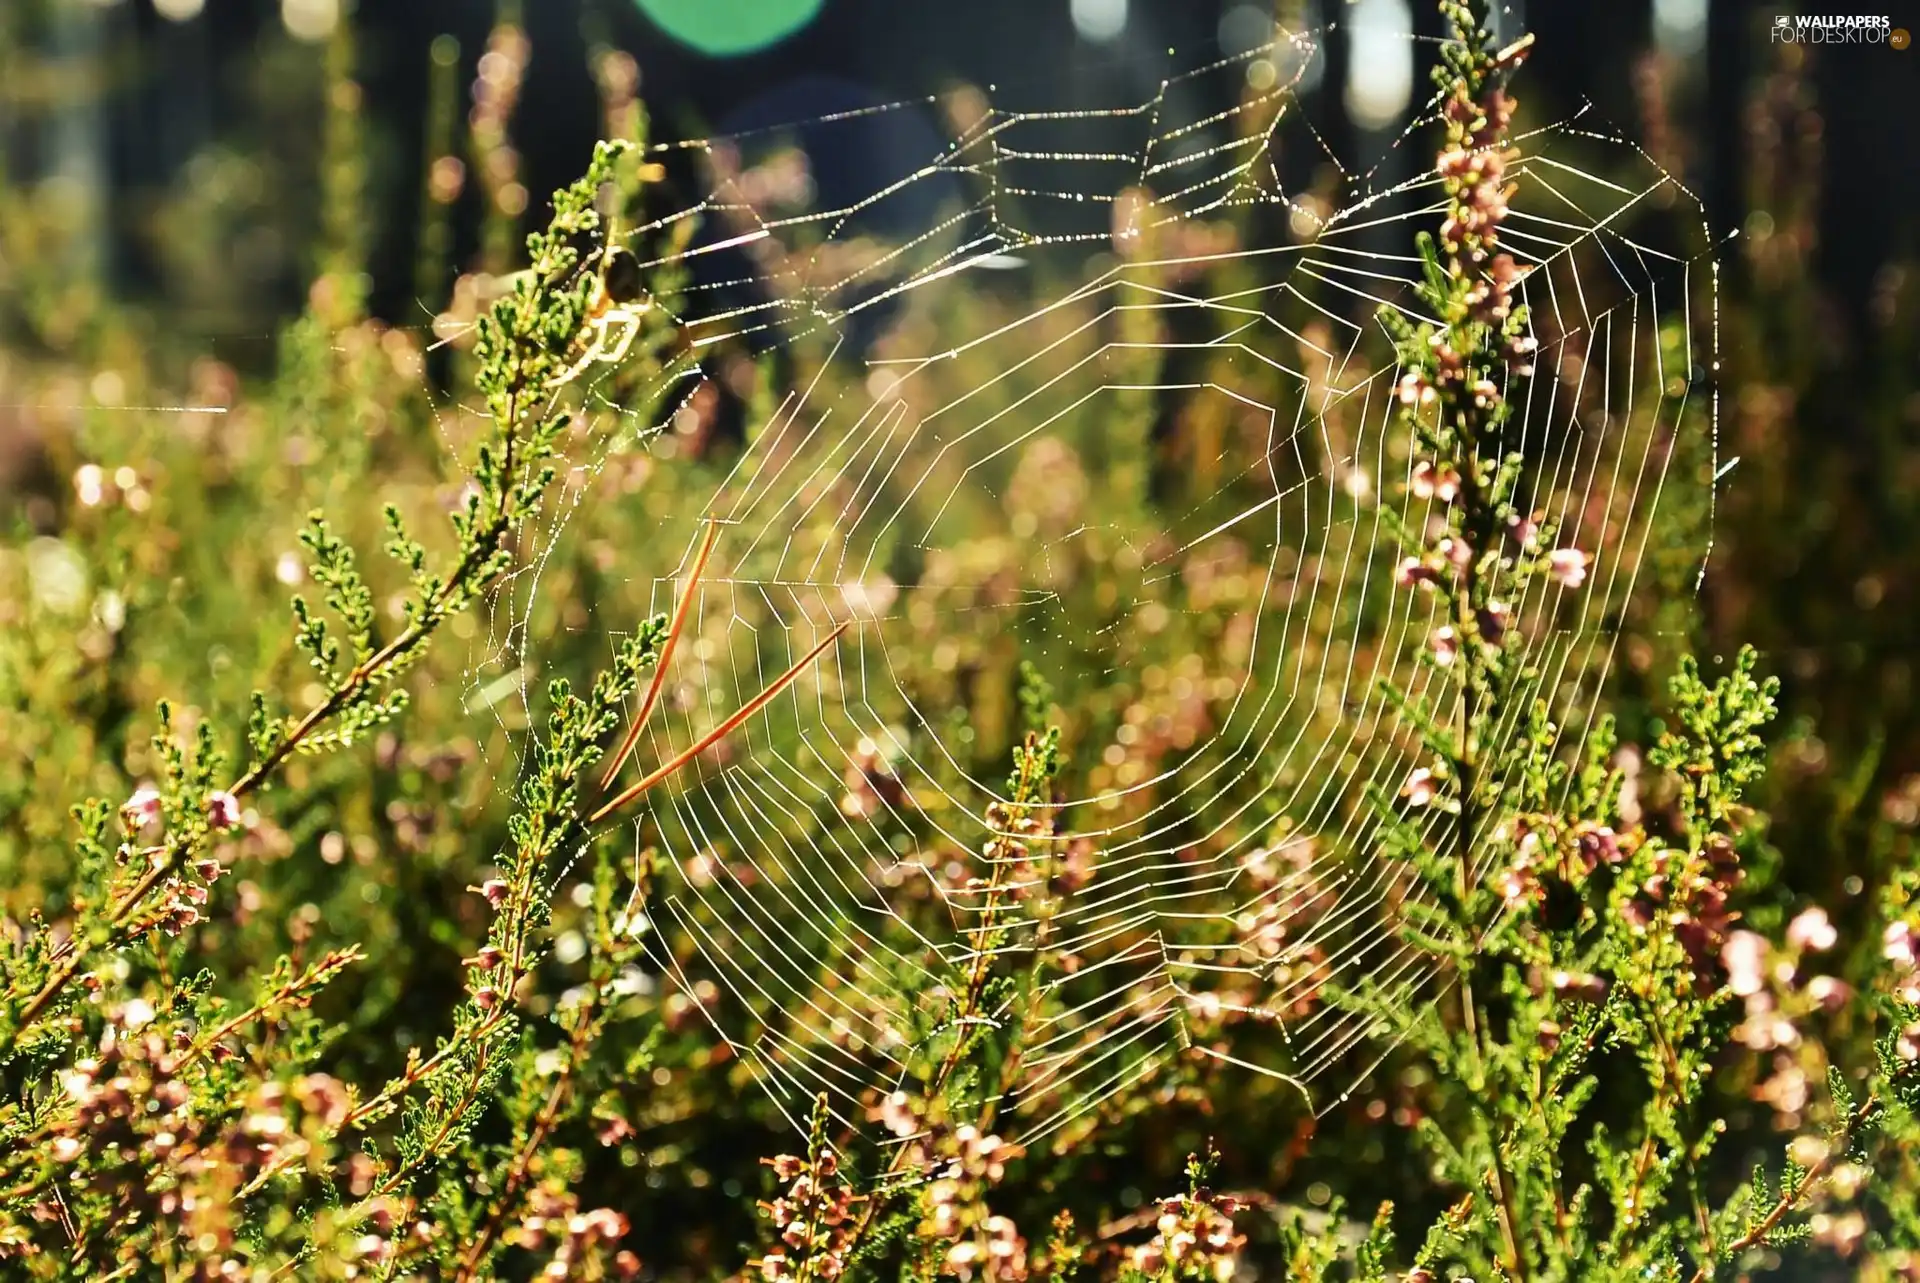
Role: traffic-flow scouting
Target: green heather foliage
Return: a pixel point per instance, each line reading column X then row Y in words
column 316, row 963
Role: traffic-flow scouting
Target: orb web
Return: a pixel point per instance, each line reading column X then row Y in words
column 1100, row 391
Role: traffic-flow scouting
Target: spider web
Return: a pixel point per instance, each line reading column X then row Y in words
column 1117, row 403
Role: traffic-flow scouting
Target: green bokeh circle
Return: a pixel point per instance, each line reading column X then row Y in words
column 723, row 28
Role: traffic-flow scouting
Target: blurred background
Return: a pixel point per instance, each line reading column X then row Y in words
column 140, row 108
column 174, row 158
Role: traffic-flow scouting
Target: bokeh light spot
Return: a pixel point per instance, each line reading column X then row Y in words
column 724, row 28
column 1099, row 20
column 1380, row 66
column 310, row 20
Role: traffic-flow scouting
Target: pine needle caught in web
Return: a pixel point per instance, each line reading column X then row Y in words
column 674, row 629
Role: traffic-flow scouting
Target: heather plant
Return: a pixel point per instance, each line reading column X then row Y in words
column 483, row 1048
column 137, row 1117
column 1570, row 938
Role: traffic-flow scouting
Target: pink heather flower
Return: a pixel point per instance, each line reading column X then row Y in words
column 1485, row 393
column 90, row 484
column 1413, row 389
column 1745, row 957
column 1760, row 1031
column 1899, row 945
column 1519, row 348
column 1419, row 788
column 1841, row 1231
column 486, row 997
column 1430, row 482
column 1599, row 845
column 495, row 889
column 607, row 1223
column 1513, row 885
column 1493, row 622
column 1413, row 572
column 1504, row 272
column 1499, row 103
column 1457, row 551
column 1529, row 849
column 1523, row 529
column 1446, row 645
column 1811, row 931
column 895, row 1111
column 1579, row 986
column 1148, row 1258
column 1455, row 162
column 1829, row 992
column 1786, row 1091
column 1568, row 566
column 142, row 809
column 223, row 809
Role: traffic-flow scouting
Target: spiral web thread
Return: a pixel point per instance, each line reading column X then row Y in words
column 1240, row 875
